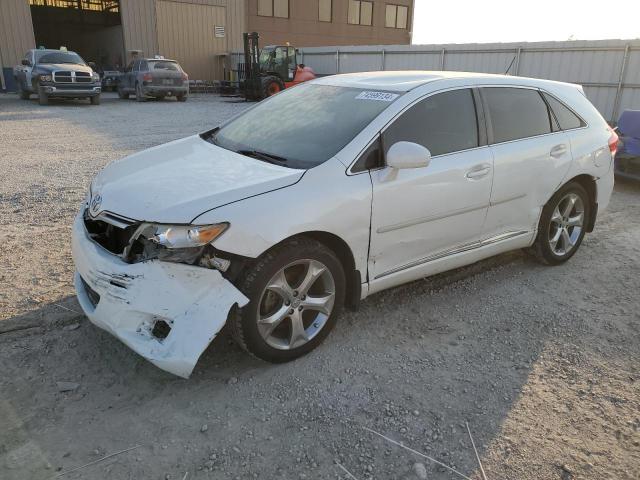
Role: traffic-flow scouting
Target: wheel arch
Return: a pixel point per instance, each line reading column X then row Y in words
column 344, row 253
column 589, row 184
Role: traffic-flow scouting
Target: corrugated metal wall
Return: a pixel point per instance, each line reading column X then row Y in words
column 16, row 36
column 174, row 28
column 196, row 48
column 609, row 70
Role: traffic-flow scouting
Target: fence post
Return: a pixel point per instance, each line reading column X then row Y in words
column 337, row 61
column 442, row 59
column 383, row 60
column 623, row 70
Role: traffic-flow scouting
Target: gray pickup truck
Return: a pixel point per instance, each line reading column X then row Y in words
column 56, row 74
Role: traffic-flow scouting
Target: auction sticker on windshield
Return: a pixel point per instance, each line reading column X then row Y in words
column 380, row 96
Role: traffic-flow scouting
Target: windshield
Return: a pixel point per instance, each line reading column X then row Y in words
column 163, row 65
column 59, row 57
column 304, row 126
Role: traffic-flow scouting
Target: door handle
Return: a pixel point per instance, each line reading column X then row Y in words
column 558, row 150
column 478, row 171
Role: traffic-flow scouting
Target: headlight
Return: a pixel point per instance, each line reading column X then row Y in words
column 95, row 76
column 186, row 236
column 45, row 78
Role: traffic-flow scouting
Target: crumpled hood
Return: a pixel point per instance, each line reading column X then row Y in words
column 178, row 181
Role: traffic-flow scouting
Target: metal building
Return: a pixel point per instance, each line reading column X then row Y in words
column 197, row 33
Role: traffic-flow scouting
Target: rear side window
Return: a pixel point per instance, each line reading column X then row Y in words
column 566, row 118
column 444, row 123
column 516, row 113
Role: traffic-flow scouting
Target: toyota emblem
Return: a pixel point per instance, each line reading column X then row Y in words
column 96, row 201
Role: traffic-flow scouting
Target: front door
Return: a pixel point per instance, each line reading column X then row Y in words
column 426, row 213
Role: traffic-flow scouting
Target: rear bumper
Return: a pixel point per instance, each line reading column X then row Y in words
column 627, row 167
column 53, row 91
column 128, row 300
column 167, row 91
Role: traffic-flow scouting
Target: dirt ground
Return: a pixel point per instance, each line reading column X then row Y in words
column 543, row 363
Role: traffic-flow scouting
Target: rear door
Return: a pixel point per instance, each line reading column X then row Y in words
column 422, row 213
column 531, row 157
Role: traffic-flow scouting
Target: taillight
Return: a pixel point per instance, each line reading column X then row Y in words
column 613, row 141
column 185, row 77
column 147, row 77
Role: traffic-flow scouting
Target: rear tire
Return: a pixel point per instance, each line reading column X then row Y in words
column 562, row 225
column 95, row 100
column 271, row 85
column 139, row 95
column 122, row 94
column 312, row 306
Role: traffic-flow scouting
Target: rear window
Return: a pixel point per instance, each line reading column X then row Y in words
column 516, row 113
column 163, row 65
column 566, row 118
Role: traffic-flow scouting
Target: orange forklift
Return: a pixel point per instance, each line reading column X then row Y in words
column 272, row 69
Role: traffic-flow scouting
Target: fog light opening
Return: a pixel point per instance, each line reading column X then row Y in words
column 161, row 329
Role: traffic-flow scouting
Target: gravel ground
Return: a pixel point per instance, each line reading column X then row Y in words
column 543, row 363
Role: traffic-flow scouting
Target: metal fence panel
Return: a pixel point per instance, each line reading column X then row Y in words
column 609, row 70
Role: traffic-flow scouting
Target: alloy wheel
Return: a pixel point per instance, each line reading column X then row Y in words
column 296, row 304
column 567, row 222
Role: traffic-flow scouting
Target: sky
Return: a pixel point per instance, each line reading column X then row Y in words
column 466, row 21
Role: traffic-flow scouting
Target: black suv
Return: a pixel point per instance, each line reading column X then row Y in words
column 56, row 74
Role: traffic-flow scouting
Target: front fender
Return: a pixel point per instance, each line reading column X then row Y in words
column 324, row 200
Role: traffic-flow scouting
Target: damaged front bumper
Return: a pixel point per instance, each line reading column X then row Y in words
column 166, row 312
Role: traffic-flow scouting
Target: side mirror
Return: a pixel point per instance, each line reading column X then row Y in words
column 408, row 155
column 92, row 65
column 25, row 62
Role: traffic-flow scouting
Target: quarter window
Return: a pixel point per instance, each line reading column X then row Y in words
column 516, row 113
column 324, row 10
column 444, row 123
column 566, row 118
column 360, row 12
column 396, row 16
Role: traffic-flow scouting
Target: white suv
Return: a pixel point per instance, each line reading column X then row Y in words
column 329, row 192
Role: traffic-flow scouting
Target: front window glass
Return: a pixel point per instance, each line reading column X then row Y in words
column 59, row 57
column 443, row 123
column 303, row 126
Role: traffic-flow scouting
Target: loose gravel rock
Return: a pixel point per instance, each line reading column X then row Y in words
column 541, row 362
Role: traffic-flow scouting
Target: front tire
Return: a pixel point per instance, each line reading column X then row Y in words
column 95, row 100
column 271, row 85
column 43, row 98
column 296, row 293
column 181, row 97
column 24, row 95
column 562, row 225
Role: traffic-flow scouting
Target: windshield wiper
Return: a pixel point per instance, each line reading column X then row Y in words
column 267, row 157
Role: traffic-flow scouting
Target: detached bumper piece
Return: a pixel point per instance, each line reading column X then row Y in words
column 166, row 312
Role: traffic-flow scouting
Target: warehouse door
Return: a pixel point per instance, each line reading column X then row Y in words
column 193, row 35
